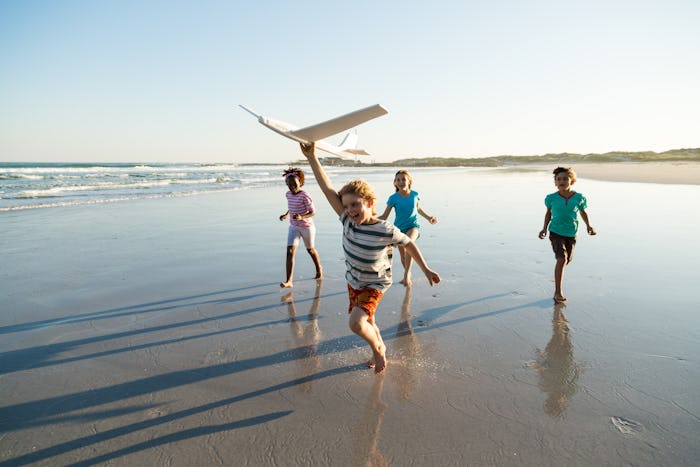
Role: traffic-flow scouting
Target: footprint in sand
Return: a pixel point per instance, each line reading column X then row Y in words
column 626, row 426
column 216, row 356
column 156, row 413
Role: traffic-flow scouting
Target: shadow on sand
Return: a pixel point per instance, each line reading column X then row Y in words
column 57, row 409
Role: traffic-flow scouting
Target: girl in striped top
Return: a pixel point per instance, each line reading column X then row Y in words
column 367, row 244
column 300, row 209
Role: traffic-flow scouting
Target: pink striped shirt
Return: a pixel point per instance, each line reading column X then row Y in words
column 300, row 203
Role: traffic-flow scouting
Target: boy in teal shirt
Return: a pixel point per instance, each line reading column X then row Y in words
column 563, row 208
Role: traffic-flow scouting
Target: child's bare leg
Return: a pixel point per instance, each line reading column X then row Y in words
column 291, row 250
column 379, row 338
column 407, row 270
column 558, row 279
column 406, row 259
column 360, row 325
column 317, row 262
column 402, row 255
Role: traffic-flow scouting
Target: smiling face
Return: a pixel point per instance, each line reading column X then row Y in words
column 402, row 181
column 358, row 201
column 358, row 210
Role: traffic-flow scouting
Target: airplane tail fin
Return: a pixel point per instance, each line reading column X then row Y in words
column 349, row 141
column 349, row 145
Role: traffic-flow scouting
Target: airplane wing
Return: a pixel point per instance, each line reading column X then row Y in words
column 339, row 124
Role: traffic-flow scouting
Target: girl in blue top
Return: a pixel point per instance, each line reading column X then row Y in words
column 406, row 203
column 563, row 208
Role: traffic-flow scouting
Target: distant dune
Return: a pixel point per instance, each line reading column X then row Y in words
column 677, row 166
column 692, row 154
column 568, row 158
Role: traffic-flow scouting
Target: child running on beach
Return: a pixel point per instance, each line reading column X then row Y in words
column 407, row 205
column 300, row 209
column 367, row 243
column 561, row 217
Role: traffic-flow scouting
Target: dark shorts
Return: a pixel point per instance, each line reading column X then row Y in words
column 563, row 246
column 367, row 299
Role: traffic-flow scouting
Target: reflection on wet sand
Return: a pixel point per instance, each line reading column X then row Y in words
column 305, row 339
column 406, row 350
column 365, row 435
column 556, row 367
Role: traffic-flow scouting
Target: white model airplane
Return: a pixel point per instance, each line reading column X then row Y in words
column 317, row 133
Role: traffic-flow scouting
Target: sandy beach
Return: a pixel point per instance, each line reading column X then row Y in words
column 154, row 332
column 676, row 172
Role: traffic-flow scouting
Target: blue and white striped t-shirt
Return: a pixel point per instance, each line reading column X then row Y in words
column 368, row 251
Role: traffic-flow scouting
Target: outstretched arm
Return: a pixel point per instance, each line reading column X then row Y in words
column 284, row 216
column 428, row 217
column 547, row 218
column 589, row 227
column 412, row 249
column 309, row 151
column 386, row 213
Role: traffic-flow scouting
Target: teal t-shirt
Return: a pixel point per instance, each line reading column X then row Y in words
column 406, row 210
column 565, row 213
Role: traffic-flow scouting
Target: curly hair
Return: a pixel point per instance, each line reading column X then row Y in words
column 361, row 189
column 568, row 170
column 293, row 171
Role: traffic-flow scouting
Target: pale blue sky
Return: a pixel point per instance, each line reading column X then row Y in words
column 154, row 81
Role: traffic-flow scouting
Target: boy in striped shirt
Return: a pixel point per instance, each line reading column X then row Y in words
column 367, row 243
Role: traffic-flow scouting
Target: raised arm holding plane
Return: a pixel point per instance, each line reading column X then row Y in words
column 309, row 151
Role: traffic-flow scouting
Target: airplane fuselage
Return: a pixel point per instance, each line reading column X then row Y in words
column 283, row 128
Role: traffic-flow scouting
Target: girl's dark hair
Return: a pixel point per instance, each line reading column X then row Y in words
column 568, row 170
column 293, row 171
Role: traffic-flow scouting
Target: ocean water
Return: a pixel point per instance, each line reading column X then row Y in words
column 50, row 185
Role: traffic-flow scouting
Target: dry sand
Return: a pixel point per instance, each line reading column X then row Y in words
column 687, row 173
column 155, row 333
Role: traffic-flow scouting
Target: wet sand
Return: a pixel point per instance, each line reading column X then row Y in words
column 155, row 333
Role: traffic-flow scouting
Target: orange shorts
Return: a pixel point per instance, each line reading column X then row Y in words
column 366, row 298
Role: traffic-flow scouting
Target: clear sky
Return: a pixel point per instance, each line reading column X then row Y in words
column 140, row 80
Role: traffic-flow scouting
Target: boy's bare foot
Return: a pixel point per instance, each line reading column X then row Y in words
column 286, row 285
column 380, row 359
column 559, row 298
column 380, row 366
column 319, row 274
